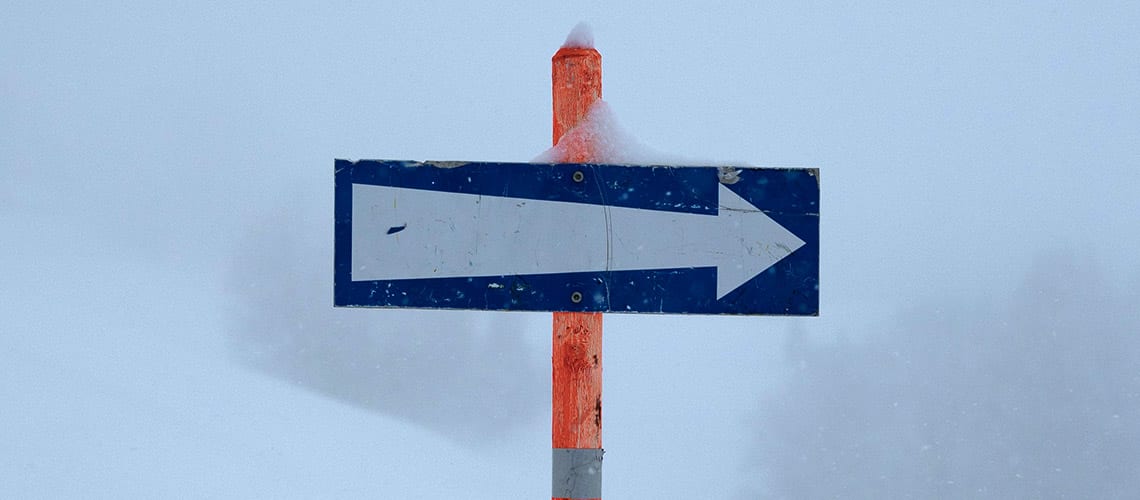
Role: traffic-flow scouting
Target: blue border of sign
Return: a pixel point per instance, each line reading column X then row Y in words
column 790, row 196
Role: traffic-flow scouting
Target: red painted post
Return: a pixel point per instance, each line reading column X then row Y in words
column 577, row 354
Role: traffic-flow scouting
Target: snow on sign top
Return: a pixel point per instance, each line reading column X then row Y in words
column 608, row 142
column 581, row 37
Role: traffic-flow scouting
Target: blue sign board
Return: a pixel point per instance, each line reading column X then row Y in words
column 577, row 237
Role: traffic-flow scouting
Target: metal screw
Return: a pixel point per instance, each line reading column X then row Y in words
column 578, row 176
column 576, row 297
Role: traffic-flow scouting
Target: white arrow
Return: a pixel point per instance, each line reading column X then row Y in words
column 401, row 233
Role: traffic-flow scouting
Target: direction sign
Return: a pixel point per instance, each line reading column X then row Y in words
column 577, row 237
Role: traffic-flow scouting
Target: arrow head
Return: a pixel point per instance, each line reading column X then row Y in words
column 752, row 242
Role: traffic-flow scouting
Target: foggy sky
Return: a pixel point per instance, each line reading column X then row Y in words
column 166, row 226
column 1033, row 396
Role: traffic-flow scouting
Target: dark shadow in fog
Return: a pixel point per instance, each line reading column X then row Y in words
column 468, row 376
column 1036, row 397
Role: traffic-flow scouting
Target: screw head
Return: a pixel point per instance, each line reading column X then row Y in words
column 576, row 297
column 578, row 176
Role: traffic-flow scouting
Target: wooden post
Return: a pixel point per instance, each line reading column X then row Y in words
column 577, row 354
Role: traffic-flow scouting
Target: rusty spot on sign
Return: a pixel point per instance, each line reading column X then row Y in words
column 728, row 175
column 445, row 164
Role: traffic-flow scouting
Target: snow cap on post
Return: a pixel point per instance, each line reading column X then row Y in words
column 581, row 37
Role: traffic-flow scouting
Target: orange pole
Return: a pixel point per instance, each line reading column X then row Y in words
column 577, row 354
